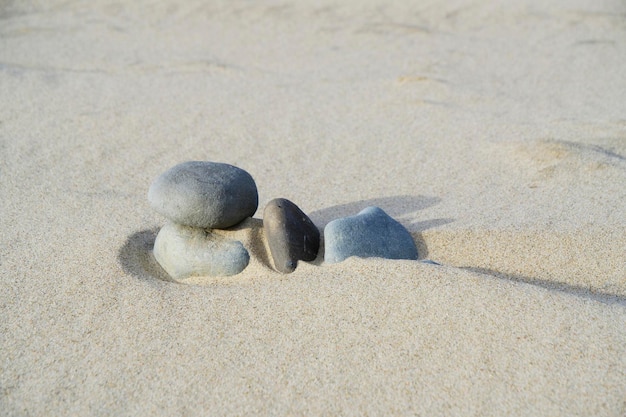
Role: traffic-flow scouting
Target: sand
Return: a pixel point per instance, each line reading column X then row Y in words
column 495, row 131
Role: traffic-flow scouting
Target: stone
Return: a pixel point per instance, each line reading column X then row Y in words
column 184, row 252
column 371, row 233
column 290, row 233
column 204, row 194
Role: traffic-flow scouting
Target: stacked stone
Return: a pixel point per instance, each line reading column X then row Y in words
column 199, row 197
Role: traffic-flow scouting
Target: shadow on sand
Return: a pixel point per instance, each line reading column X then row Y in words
column 578, row 291
column 136, row 257
column 403, row 208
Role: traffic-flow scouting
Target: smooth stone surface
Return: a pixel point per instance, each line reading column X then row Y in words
column 291, row 235
column 184, row 252
column 371, row 233
column 204, row 194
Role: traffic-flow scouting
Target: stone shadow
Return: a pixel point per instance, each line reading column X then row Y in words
column 401, row 207
column 396, row 206
column 575, row 290
column 136, row 257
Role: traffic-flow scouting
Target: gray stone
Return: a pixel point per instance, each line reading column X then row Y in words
column 290, row 233
column 371, row 233
column 185, row 252
column 204, row 194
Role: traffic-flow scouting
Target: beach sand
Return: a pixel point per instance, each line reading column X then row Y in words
column 495, row 131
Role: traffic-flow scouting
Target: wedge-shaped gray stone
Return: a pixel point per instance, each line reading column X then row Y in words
column 290, row 233
column 371, row 233
column 204, row 194
column 185, row 252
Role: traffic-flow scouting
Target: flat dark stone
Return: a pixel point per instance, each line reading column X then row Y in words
column 290, row 233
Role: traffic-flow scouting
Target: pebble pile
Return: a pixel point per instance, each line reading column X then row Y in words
column 198, row 197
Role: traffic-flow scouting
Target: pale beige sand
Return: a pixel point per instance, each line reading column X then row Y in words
column 495, row 131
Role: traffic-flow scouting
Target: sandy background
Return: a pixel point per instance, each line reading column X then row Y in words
column 495, row 131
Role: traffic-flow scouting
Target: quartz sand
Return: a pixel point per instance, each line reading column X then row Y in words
column 494, row 131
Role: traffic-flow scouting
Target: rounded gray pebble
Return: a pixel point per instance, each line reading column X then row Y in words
column 204, row 194
column 371, row 233
column 184, row 252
